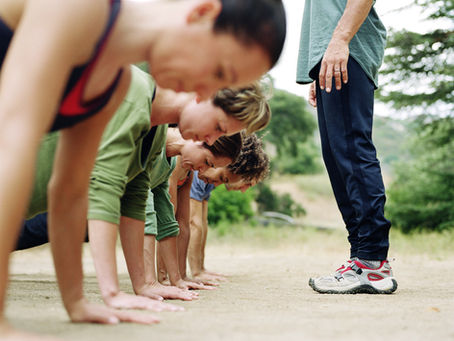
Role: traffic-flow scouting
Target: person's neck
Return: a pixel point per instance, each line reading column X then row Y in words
column 140, row 27
column 174, row 142
column 168, row 105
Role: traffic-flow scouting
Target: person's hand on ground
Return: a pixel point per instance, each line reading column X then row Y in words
column 219, row 276
column 182, row 284
column 206, row 279
column 84, row 311
column 168, row 292
column 123, row 300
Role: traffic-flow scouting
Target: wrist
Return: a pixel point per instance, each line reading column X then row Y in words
column 108, row 294
column 73, row 304
column 174, row 279
column 340, row 37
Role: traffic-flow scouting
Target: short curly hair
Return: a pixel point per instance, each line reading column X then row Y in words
column 248, row 104
column 252, row 163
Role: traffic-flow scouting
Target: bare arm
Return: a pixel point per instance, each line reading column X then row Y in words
column 334, row 62
column 33, row 75
column 68, row 201
column 195, row 243
column 183, row 216
column 153, row 285
column 173, row 185
column 103, row 244
column 170, row 257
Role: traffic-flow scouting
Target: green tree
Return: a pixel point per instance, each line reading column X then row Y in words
column 422, row 197
column 419, row 67
column 291, row 132
column 267, row 200
column 419, row 73
column 229, row 206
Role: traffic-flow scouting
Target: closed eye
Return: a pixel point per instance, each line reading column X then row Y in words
column 219, row 129
column 219, row 74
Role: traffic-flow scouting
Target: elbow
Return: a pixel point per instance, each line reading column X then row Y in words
column 66, row 194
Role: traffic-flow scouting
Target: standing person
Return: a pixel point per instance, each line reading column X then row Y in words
column 63, row 62
column 341, row 49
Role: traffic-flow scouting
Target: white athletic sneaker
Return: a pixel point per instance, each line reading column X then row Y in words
column 353, row 277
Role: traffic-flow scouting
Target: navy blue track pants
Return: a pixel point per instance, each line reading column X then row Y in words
column 345, row 122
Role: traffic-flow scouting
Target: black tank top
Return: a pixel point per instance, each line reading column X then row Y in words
column 72, row 108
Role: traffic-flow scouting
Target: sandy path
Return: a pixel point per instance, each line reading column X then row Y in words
column 266, row 298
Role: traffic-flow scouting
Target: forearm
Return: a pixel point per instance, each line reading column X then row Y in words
column 161, row 270
column 168, row 251
column 103, row 236
column 132, row 241
column 67, row 226
column 183, row 218
column 353, row 17
column 149, row 258
column 16, row 182
column 182, row 244
column 195, row 250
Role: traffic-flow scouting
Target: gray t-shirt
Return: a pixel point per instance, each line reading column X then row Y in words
column 320, row 18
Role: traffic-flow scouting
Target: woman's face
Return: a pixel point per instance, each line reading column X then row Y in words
column 195, row 156
column 205, row 122
column 192, row 58
column 218, row 176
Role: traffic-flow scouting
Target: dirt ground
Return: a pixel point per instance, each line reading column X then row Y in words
column 265, row 298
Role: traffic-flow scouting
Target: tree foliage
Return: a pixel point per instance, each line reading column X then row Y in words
column 229, row 206
column 422, row 197
column 419, row 72
column 419, row 67
column 291, row 132
column 267, row 200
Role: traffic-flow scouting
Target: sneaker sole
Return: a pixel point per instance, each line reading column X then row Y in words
column 362, row 289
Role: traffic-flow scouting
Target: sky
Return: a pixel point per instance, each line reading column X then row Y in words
column 284, row 73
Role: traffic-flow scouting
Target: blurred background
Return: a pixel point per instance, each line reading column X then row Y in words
column 413, row 129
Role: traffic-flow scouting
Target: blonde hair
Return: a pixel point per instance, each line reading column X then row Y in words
column 248, row 104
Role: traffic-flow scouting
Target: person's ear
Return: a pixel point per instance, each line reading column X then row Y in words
column 198, row 99
column 205, row 10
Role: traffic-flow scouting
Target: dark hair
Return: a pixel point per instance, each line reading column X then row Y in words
column 259, row 22
column 252, row 163
column 228, row 146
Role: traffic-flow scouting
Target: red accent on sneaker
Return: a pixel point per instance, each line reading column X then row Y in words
column 341, row 268
column 374, row 277
column 361, row 265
